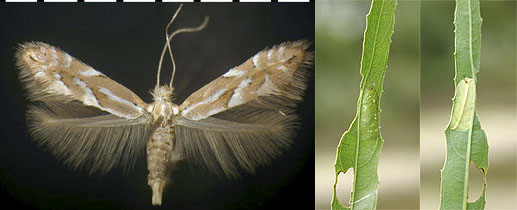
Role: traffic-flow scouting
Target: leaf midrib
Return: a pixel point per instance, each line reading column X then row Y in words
column 469, row 140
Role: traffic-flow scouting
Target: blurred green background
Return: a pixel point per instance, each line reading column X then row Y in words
column 339, row 36
column 496, row 103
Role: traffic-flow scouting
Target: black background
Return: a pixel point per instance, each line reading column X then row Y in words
column 124, row 42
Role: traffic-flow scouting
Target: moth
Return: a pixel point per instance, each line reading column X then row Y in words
column 239, row 121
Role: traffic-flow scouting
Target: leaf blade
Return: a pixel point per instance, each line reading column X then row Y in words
column 466, row 140
column 361, row 144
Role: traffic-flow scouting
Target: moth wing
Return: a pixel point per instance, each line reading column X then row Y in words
column 275, row 78
column 82, row 116
column 97, row 143
column 225, row 146
column 49, row 74
column 244, row 118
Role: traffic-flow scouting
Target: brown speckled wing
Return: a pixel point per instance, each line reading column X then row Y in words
column 50, row 74
column 277, row 71
column 83, row 117
column 244, row 118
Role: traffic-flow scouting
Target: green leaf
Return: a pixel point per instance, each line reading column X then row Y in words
column 360, row 146
column 466, row 141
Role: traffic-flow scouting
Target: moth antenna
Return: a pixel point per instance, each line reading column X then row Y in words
column 167, row 44
column 193, row 29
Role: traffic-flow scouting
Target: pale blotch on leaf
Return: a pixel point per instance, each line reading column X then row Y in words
column 464, row 105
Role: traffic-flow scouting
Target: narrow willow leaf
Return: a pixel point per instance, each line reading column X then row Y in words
column 360, row 146
column 466, row 141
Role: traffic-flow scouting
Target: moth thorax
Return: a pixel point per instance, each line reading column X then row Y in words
column 162, row 107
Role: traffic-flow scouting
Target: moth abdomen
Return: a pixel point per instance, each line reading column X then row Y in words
column 159, row 149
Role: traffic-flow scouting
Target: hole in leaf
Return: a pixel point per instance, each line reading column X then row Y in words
column 475, row 182
column 344, row 187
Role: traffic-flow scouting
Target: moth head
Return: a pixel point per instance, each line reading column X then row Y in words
column 162, row 93
column 36, row 54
